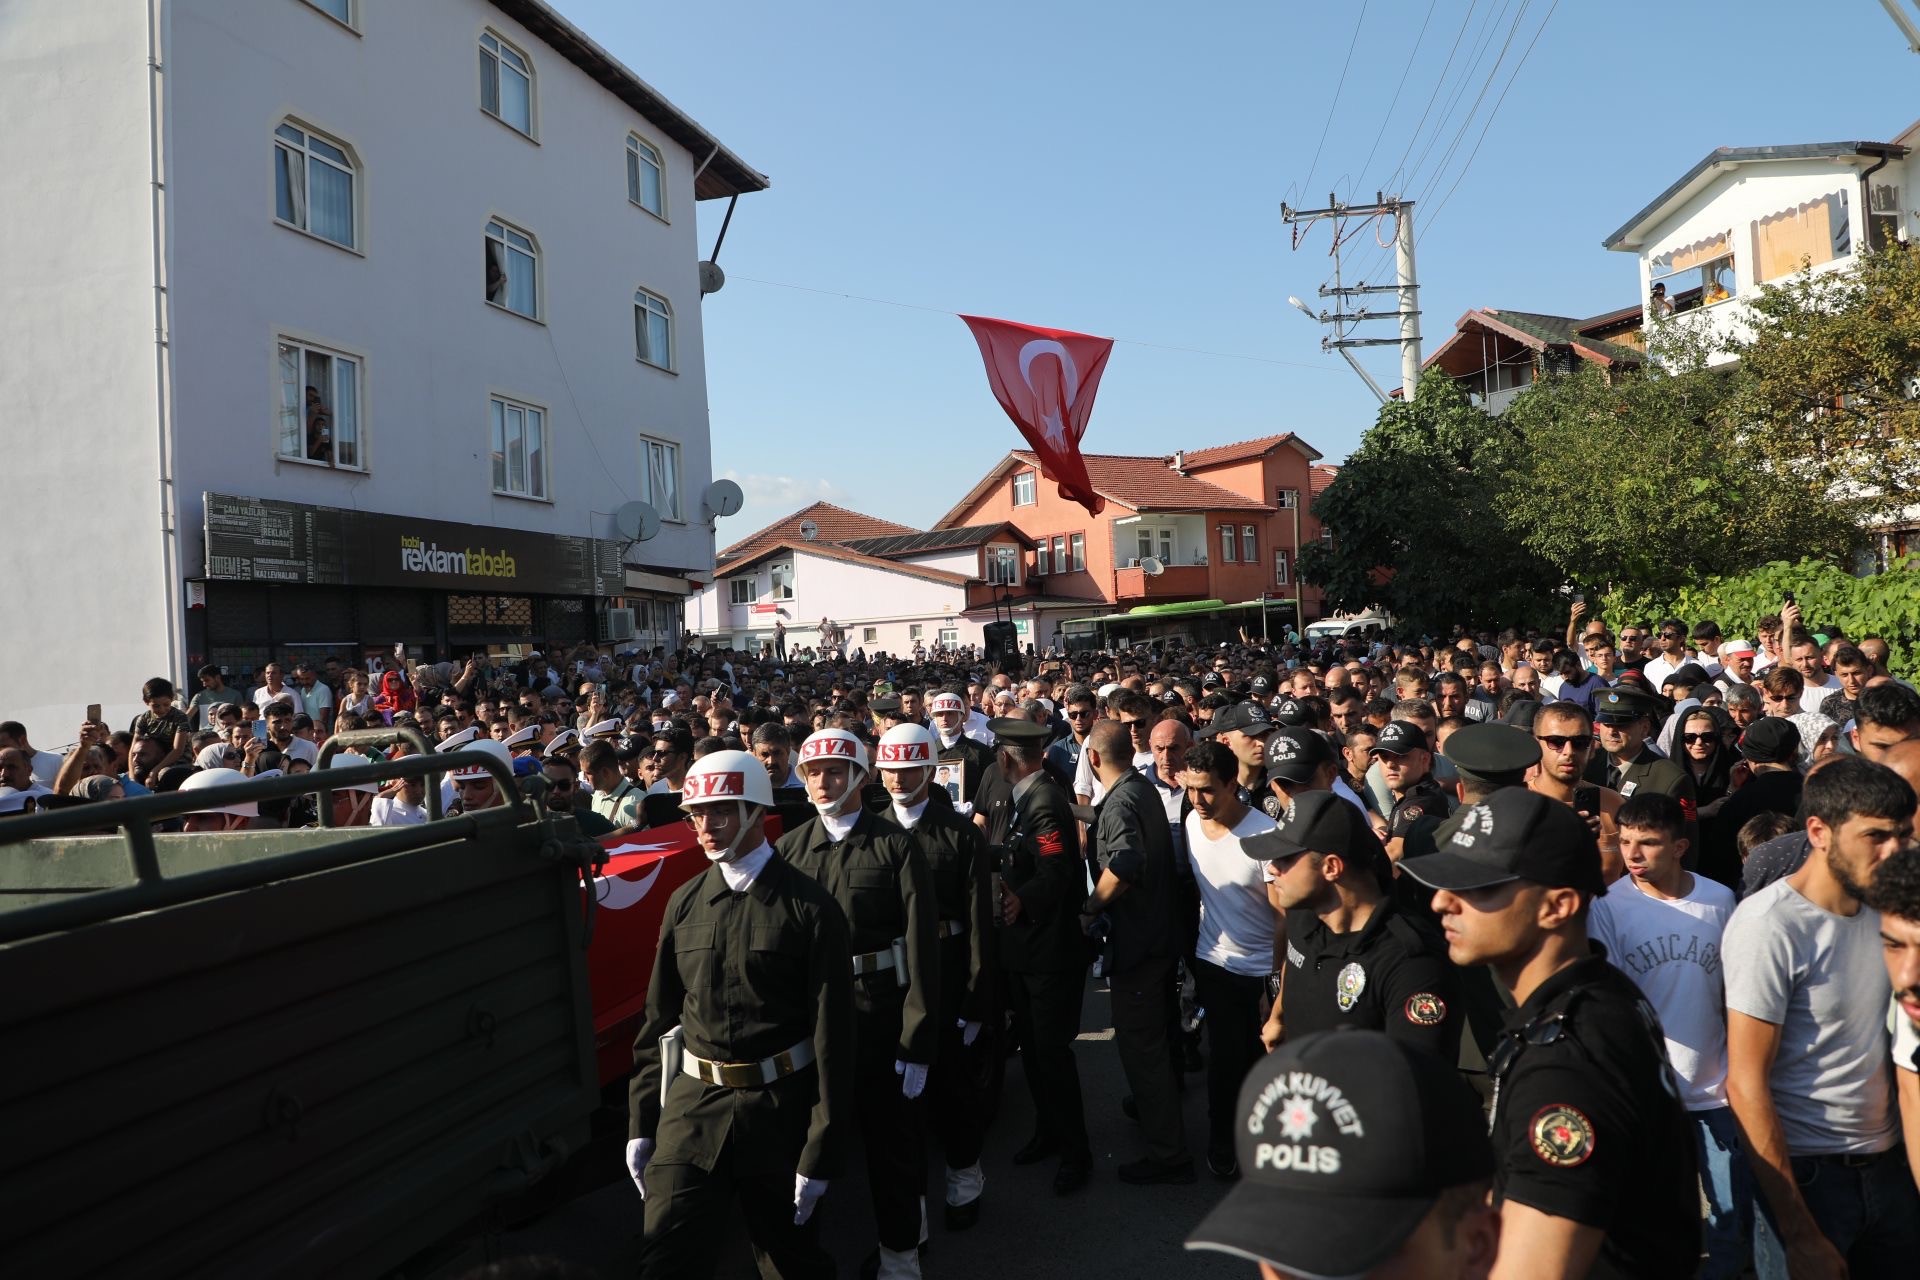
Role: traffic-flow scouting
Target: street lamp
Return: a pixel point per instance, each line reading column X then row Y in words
column 1327, row 344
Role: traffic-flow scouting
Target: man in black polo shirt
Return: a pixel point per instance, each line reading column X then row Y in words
column 1406, row 762
column 1352, row 959
column 1597, row 1173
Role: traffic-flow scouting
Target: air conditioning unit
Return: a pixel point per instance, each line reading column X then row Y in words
column 616, row 624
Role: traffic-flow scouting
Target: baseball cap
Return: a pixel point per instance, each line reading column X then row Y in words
column 1288, row 711
column 1737, row 648
column 1295, row 755
column 1345, row 1139
column 1771, row 740
column 1261, row 685
column 1514, row 834
column 1398, row 738
column 1317, row 822
column 1248, row 717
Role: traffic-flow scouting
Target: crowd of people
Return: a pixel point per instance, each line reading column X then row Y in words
column 1514, row 954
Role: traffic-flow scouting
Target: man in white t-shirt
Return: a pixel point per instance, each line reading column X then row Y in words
column 1661, row 926
column 1233, row 950
column 1896, row 896
column 1807, row 1042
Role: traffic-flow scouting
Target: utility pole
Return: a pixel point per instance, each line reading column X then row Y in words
column 1406, row 290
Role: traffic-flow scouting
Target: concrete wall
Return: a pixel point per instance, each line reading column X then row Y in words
column 85, row 585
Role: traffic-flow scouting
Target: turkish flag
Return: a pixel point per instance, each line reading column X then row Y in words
column 1046, row 379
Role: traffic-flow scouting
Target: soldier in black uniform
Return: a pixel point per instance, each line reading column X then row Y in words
column 949, row 714
column 1622, row 722
column 1043, row 952
column 749, row 1096
column 877, row 874
column 1352, row 958
column 1406, row 760
column 957, row 862
column 1596, row 1167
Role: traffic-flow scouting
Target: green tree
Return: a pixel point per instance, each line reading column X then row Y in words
column 1650, row 480
column 1415, row 519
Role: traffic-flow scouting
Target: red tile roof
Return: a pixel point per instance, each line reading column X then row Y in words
column 1220, row 454
column 1149, row 484
column 831, row 552
column 1323, row 475
column 836, row 524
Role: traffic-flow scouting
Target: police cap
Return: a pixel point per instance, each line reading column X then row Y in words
column 1496, row 754
column 1288, row 711
column 1294, row 755
column 1514, row 834
column 1398, row 738
column 1318, row 822
column 1249, row 718
column 1521, row 712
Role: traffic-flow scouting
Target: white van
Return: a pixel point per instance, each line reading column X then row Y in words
column 1359, row 626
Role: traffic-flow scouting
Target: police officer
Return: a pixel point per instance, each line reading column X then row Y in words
column 957, row 861
column 748, row 1099
column 1622, row 721
column 949, row 713
column 1352, row 958
column 1596, row 1165
column 1243, row 728
column 1406, row 762
column 876, row 872
column 1043, row 952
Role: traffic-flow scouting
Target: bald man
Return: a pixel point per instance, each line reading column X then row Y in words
column 1169, row 742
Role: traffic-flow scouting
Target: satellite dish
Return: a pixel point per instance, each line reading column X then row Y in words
column 1151, row 566
column 723, row 497
column 809, row 530
column 712, row 278
column 636, row 521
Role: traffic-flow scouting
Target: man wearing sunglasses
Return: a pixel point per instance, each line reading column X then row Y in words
column 1670, row 652
column 1565, row 735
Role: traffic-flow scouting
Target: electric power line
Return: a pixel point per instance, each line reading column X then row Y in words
column 1435, row 95
column 1332, row 107
column 1405, row 71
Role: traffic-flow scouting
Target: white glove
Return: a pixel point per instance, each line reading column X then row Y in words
column 913, row 1078
column 806, row 1194
column 639, row 1151
column 969, row 1032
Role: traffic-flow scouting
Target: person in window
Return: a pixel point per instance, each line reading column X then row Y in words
column 319, row 428
column 1716, row 290
column 1660, row 306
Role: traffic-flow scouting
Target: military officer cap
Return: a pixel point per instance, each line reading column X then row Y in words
column 1318, row 822
column 453, row 742
column 602, row 729
column 528, row 736
column 1514, row 834
column 1294, row 755
column 1622, row 704
column 1398, row 738
column 1521, row 712
column 1496, row 754
column 1249, row 718
column 885, row 705
column 1288, row 711
column 564, row 741
column 1019, row 731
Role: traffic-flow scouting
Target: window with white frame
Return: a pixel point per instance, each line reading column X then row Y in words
column 1226, row 544
column 313, row 184
column 1249, row 544
column 513, row 270
column 1060, row 564
column 1326, row 536
column 1079, row 553
column 319, row 407
column 506, row 83
column 1281, row 576
column 646, row 175
column 740, row 591
column 1143, row 541
column 1023, row 489
column 949, row 637
column 653, row 329
column 915, row 631
column 869, row 635
column 660, row 476
column 1003, row 565
column 781, row 575
column 519, row 448
column 342, row 10
column 1040, row 559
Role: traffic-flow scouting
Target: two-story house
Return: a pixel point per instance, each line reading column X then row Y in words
column 1746, row 217
column 1218, row 527
column 1496, row 353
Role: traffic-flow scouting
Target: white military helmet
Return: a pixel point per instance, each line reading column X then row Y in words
column 944, row 702
column 353, row 760
column 726, row 775
column 906, row 746
column 208, row 778
column 832, row 744
column 498, row 750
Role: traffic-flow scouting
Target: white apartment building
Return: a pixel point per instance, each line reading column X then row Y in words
column 330, row 324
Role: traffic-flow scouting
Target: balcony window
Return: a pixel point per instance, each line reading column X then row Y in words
column 1692, row 276
column 1227, row 546
column 1144, row 540
column 1810, row 233
column 1079, row 553
column 782, row 577
column 1166, row 546
column 1040, row 559
column 1884, row 217
column 1023, row 489
column 1003, row 566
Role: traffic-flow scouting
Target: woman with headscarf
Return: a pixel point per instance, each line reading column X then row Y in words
column 1699, row 745
column 1819, row 736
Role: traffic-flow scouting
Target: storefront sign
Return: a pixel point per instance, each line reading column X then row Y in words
column 263, row 540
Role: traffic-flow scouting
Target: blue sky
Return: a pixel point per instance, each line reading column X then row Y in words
column 1118, row 168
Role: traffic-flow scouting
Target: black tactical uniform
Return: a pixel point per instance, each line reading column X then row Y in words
column 1392, row 975
column 1044, row 954
column 880, row 880
column 751, row 978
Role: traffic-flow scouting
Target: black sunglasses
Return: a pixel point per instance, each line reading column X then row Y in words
column 1561, row 741
column 1698, row 737
column 1669, row 635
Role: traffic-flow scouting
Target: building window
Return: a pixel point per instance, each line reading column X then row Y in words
column 653, row 329
column 1023, row 489
column 1814, row 232
column 1326, row 536
column 313, row 184
column 660, row 476
column 1040, row 559
column 1060, row 564
column 1884, row 216
column 1286, row 499
column 915, row 631
column 319, row 418
column 1280, row 574
column 1003, row 565
column 782, row 578
column 1079, row 553
column 740, row 591
column 646, row 176
column 519, row 449
column 513, row 270
column 949, row 637
column 340, row 10
column 1226, row 544
column 869, row 635
column 506, row 83
column 1249, row 545
column 1695, row 275
column 1143, row 542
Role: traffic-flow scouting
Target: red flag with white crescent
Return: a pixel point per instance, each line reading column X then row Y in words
column 1046, row 379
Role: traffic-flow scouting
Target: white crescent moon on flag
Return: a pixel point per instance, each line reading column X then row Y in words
column 1056, row 429
column 616, row 893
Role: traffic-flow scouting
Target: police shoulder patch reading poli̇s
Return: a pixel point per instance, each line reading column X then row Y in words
column 1561, row 1135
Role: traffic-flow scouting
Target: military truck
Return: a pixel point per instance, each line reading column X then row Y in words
column 288, row 1052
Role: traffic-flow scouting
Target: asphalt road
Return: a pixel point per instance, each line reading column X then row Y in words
column 1110, row 1229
